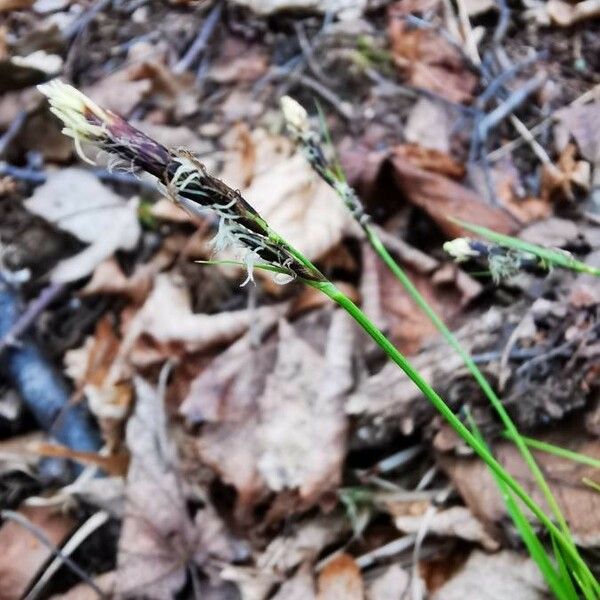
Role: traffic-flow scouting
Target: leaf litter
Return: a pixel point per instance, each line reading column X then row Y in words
column 250, row 434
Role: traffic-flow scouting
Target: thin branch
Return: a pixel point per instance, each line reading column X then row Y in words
column 24, row 522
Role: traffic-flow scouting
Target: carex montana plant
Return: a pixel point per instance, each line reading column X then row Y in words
column 181, row 176
column 316, row 146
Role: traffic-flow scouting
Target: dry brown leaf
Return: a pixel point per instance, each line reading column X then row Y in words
column 158, row 538
column 429, row 125
column 497, row 576
column 42, row 133
column 429, row 61
column 300, row 587
column 447, row 290
column 239, row 61
column 301, row 545
column 392, row 584
column 553, row 232
column 167, row 317
column 442, row 197
column 82, row 591
column 105, row 384
column 582, row 122
column 7, row 5
column 566, row 14
column 271, row 422
column 559, row 182
column 108, row 278
column 506, row 181
column 23, row 554
column 303, row 427
column 154, row 546
column 279, row 183
column 118, row 91
column 340, row 578
column 430, row 159
column 451, row 522
column 105, row 221
column 579, row 503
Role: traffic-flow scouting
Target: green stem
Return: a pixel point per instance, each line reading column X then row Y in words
column 475, row 371
column 342, row 300
column 558, row 451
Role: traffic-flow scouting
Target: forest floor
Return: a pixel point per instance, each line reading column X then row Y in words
column 166, row 432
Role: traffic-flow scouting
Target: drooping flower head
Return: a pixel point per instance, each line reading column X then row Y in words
column 180, row 175
column 310, row 141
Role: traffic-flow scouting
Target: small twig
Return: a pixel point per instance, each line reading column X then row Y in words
column 499, row 153
column 94, row 522
column 386, row 551
column 82, row 22
column 24, row 522
column 199, row 44
column 307, row 51
column 12, row 131
column 36, row 177
column 507, row 107
column 31, row 313
column 503, row 22
column 495, row 86
column 343, row 107
column 530, row 139
column 465, row 23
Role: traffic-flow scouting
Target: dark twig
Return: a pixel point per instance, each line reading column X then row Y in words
column 35, row 177
column 199, row 44
column 42, row 388
column 31, row 313
column 24, row 522
column 12, row 131
column 503, row 22
column 79, row 25
column 507, row 107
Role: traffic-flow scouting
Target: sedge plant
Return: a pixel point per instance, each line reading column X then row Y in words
column 181, row 176
column 519, row 254
column 311, row 142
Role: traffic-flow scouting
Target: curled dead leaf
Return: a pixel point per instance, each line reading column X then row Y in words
column 428, row 60
column 442, row 197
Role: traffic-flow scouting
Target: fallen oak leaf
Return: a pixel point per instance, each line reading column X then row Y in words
column 262, row 404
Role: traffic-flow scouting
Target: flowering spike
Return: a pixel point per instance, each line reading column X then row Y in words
column 310, row 143
column 181, row 176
